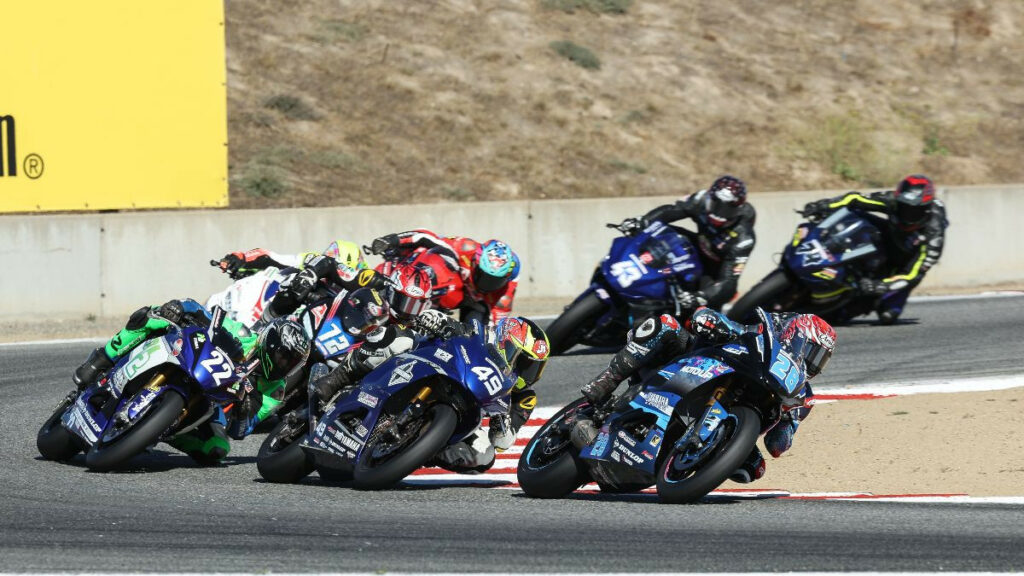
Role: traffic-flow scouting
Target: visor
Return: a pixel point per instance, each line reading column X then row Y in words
column 720, row 208
column 484, row 282
column 281, row 363
column 815, row 356
column 911, row 213
column 406, row 306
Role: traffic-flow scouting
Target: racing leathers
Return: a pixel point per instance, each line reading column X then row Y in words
column 320, row 273
column 658, row 339
column 724, row 249
column 474, row 454
column 909, row 253
column 209, row 442
column 462, row 253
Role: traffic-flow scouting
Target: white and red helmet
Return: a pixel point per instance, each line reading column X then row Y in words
column 410, row 291
column 809, row 337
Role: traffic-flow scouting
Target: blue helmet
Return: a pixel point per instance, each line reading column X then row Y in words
column 496, row 265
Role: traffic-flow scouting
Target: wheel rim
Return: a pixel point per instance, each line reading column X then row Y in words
column 287, row 437
column 380, row 450
column 549, row 447
column 682, row 465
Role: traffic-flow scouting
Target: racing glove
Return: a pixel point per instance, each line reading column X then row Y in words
column 439, row 324
column 871, row 287
column 631, row 226
column 815, row 210
column 690, row 300
column 711, row 325
column 384, row 244
column 172, row 311
column 231, row 264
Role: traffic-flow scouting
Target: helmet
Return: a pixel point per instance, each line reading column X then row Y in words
column 410, row 291
column 496, row 264
column 915, row 195
column 347, row 253
column 524, row 346
column 283, row 347
column 723, row 200
column 363, row 311
column 809, row 337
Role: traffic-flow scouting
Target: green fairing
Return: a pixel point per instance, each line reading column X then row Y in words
column 193, row 442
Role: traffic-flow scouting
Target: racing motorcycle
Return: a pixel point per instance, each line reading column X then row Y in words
column 166, row 386
column 396, row 419
column 639, row 277
column 684, row 427
column 246, row 298
column 819, row 269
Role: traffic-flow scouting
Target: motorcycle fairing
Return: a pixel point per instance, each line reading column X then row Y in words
column 638, row 267
column 686, row 374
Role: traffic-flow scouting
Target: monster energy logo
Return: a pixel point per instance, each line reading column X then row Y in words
column 8, row 153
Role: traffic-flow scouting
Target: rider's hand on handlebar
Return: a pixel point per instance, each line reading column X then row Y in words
column 384, row 244
column 631, row 226
column 172, row 311
column 814, row 211
column 231, row 263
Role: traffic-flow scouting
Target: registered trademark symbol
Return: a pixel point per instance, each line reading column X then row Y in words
column 33, row 166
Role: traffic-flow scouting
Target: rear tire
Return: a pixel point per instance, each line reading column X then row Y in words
column 103, row 457
column 431, row 439
column 716, row 467
column 764, row 293
column 54, row 441
column 566, row 331
column 281, row 459
column 542, row 476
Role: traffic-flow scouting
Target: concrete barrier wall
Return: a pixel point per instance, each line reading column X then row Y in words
column 72, row 266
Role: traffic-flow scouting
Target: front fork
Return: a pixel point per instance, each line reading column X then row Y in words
column 711, row 417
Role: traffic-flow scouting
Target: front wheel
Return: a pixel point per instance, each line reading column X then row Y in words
column 567, row 330
column 105, row 456
column 549, row 467
column 387, row 458
column 763, row 294
column 687, row 475
column 54, row 441
column 281, row 458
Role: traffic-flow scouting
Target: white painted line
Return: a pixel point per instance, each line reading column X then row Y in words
column 54, row 342
column 951, row 385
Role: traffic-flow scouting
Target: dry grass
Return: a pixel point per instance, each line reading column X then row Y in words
column 344, row 101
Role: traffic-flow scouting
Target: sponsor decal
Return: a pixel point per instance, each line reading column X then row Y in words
column 540, row 349
column 629, row 454
column 347, row 442
column 655, row 440
column 367, row 399
column 636, row 349
column 734, row 349
column 365, row 277
column 601, row 443
column 626, row 438
column 657, row 400
column 442, row 355
column 361, row 431
column 647, row 454
column 402, row 374
column 616, row 457
column 465, row 355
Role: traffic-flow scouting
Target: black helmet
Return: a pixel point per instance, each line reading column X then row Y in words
column 363, row 311
column 915, row 195
column 723, row 199
column 283, row 347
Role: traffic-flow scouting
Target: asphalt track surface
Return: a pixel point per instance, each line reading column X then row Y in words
column 166, row 514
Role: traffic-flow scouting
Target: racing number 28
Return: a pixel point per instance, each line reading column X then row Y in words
column 786, row 371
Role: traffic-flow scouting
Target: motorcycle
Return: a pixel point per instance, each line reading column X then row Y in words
column 395, row 420
column 245, row 299
column 684, row 427
column 639, row 277
column 819, row 269
column 166, row 386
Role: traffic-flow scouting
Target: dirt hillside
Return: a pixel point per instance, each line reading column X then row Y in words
column 370, row 101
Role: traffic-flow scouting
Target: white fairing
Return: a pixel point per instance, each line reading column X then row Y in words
column 244, row 300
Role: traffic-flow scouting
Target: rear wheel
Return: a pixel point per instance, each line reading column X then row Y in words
column 281, row 458
column 388, row 457
column 688, row 475
column 105, row 455
column 567, row 330
column 54, row 441
column 549, row 467
column 763, row 294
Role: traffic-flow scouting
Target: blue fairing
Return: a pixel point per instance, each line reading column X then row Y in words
column 823, row 250
column 464, row 361
column 640, row 266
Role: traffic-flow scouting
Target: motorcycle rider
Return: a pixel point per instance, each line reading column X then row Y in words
column 725, row 237
column 280, row 347
column 241, row 264
column 520, row 342
column 659, row 339
column 912, row 240
column 489, row 270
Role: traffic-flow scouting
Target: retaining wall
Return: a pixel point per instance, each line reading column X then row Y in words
column 110, row 264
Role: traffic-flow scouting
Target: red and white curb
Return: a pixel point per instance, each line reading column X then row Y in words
column 503, row 474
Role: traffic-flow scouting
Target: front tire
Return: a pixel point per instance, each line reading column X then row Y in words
column 103, row 457
column 566, row 331
column 764, row 293
column 549, row 468
column 680, row 487
column 54, row 441
column 431, row 438
column 281, row 459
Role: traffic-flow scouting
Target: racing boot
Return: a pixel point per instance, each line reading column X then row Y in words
column 751, row 469
column 583, row 433
column 471, row 456
column 94, row 366
column 600, row 388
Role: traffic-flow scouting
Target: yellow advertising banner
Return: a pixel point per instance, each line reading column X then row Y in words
column 111, row 104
